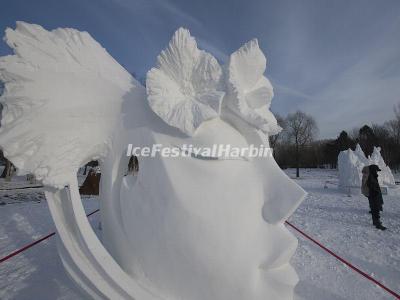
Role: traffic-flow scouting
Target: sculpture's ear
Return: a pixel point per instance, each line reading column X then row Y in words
column 62, row 99
column 184, row 89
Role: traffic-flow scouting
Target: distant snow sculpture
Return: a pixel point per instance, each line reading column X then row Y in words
column 385, row 175
column 350, row 169
column 361, row 155
column 184, row 228
column 351, row 163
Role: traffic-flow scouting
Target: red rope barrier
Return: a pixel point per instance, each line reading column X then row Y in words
column 16, row 252
column 354, row 268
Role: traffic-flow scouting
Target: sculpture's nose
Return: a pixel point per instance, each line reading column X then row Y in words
column 282, row 195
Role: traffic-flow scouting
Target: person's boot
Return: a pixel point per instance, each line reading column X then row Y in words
column 380, row 226
column 376, row 220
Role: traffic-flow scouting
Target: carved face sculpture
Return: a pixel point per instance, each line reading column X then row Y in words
column 183, row 228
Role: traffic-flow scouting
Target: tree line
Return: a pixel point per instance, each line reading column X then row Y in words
column 296, row 145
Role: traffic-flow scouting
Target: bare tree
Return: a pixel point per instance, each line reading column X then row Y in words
column 301, row 130
column 353, row 134
column 393, row 127
column 396, row 109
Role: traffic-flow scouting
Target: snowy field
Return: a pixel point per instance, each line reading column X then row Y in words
column 340, row 222
column 343, row 224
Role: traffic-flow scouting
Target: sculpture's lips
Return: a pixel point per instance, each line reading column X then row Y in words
column 281, row 257
column 284, row 275
column 276, row 269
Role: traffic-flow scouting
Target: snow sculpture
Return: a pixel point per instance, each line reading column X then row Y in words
column 351, row 163
column 385, row 175
column 183, row 228
column 350, row 170
column 361, row 155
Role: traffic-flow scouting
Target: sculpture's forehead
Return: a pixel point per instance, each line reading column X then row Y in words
column 215, row 131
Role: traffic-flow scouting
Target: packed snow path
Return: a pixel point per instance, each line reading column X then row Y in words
column 340, row 222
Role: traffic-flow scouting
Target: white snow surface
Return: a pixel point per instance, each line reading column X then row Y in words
column 340, row 222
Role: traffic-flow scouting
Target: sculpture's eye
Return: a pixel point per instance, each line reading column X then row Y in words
column 216, row 153
column 204, row 157
column 133, row 165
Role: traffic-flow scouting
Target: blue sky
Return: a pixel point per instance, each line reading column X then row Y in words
column 337, row 60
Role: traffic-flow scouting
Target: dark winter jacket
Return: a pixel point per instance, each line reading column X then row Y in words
column 375, row 193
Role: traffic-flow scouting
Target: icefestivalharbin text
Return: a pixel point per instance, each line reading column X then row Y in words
column 184, row 228
column 219, row 151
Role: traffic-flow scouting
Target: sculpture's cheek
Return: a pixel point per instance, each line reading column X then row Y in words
column 208, row 232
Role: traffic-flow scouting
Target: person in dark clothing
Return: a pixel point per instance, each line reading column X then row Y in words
column 375, row 196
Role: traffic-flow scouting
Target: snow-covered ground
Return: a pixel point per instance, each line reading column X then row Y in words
column 343, row 224
column 340, row 222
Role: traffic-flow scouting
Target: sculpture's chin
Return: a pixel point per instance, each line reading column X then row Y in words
column 277, row 284
column 279, row 281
